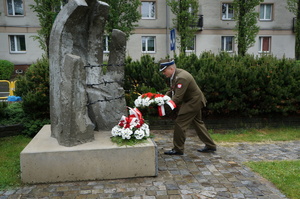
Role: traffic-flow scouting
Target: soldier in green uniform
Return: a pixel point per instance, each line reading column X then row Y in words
column 186, row 94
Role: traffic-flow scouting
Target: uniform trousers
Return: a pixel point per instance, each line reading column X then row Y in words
column 183, row 122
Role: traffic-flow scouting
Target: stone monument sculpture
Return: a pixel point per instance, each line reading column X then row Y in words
column 85, row 94
column 86, row 101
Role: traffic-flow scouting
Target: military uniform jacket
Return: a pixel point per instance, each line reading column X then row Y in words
column 185, row 92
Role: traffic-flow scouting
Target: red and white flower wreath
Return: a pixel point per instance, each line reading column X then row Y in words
column 132, row 126
column 153, row 99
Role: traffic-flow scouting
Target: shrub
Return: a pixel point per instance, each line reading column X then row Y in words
column 6, row 69
column 233, row 85
column 14, row 114
column 33, row 87
column 3, row 106
column 32, row 127
column 141, row 77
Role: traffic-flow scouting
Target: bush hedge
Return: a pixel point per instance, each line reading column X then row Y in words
column 6, row 69
column 233, row 85
column 33, row 87
column 142, row 76
column 13, row 113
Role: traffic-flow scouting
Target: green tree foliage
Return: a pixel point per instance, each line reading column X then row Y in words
column 186, row 12
column 246, row 20
column 6, row 69
column 46, row 11
column 123, row 14
column 294, row 7
column 33, row 87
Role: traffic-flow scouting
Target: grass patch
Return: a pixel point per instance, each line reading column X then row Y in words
column 285, row 175
column 256, row 135
column 11, row 148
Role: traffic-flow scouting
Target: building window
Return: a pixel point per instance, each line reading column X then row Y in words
column 15, row 7
column 191, row 46
column 265, row 12
column 227, row 43
column 17, row 43
column 264, row 44
column 227, row 11
column 148, row 44
column 148, row 10
column 105, row 44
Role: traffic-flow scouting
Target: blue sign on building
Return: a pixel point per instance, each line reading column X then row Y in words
column 172, row 39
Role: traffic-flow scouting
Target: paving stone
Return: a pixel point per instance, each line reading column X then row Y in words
column 194, row 175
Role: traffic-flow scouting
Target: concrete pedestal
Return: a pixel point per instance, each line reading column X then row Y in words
column 44, row 160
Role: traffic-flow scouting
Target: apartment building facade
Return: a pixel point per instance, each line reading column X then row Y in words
column 18, row 23
column 215, row 33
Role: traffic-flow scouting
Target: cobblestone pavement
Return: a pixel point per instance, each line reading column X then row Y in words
column 194, row 175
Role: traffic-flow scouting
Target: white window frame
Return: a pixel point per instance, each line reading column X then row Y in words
column 146, row 39
column 224, row 43
column 226, row 17
column 261, row 42
column 263, row 8
column 150, row 9
column 14, row 8
column 17, row 44
column 190, row 50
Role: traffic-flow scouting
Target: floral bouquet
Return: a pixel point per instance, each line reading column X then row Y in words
column 154, row 100
column 131, row 130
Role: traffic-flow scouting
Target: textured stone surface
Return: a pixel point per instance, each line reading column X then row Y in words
column 79, row 31
column 77, row 127
column 44, row 160
column 108, row 86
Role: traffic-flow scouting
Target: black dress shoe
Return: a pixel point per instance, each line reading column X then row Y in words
column 206, row 150
column 173, row 152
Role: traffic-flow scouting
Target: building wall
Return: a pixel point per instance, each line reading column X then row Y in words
column 279, row 29
column 26, row 25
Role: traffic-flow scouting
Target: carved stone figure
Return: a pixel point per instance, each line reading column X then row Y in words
column 84, row 95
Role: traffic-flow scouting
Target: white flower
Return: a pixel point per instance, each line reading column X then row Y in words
column 126, row 133
column 146, row 102
column 138, row 102
column 139, row 134
column 166, row 98
column 145, row 128
column 151, row 101
column 159, row 101
column 116, row 131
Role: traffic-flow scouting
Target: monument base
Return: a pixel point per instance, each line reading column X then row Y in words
column 44, row 160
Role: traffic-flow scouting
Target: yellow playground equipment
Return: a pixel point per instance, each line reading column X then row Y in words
column 7, row 89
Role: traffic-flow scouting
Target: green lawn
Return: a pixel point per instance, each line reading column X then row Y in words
column 285, row 175
column 256, row 135
column 11, row 148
